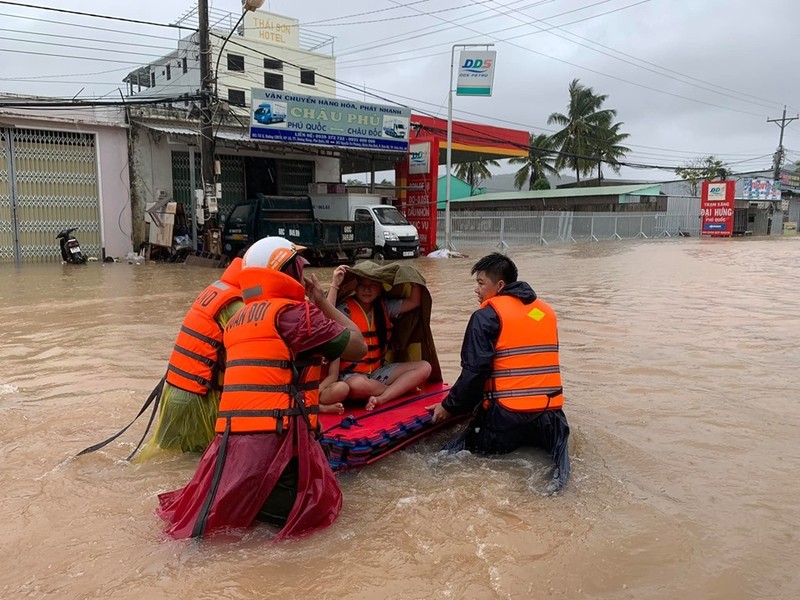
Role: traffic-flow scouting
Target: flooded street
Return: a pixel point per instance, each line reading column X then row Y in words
column 680, row 361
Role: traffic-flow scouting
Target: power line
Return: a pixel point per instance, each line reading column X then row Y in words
column 84, row 47
column 34, row 78
column 481, row 135
column 96, row 16
column 85, row 103
column 108, row 60
column 82, row 26
column 531, row 50
column 81, row 38
column 399, row 17
column 431, row 29
column 716, row 89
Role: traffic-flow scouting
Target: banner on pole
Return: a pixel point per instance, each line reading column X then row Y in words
column 476, row 73
column 717, row 204
column 417, row 180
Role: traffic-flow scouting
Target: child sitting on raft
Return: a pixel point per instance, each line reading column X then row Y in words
column 371, row 378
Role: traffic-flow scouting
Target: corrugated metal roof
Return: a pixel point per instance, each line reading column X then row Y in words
column 234, row 135
column 649, row 189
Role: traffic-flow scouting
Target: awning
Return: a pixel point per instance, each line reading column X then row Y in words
column 472, row 141
column 352, row 159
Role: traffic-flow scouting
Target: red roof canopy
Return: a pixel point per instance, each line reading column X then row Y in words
column 472, row 141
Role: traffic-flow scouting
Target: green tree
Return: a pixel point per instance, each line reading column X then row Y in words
column 608, row 149
column 587, row 134
column 475, row 172
column 537, row 165
column 541, row 184
column 701, row 169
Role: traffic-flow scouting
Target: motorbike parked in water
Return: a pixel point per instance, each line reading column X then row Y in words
column 70, row 248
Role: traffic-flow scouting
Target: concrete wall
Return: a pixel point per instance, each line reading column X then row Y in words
column 151, row 171
column 113, row 182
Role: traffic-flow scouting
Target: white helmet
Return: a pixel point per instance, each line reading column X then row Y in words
column 271, row 253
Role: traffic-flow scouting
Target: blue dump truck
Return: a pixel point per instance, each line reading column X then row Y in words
column 292, row 217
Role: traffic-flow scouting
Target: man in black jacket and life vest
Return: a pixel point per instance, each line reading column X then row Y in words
column 510, row 374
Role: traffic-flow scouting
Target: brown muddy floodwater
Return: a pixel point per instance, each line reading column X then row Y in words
column 680, row 360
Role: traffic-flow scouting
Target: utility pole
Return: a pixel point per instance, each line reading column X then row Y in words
column 206, row 97
column 783, row 122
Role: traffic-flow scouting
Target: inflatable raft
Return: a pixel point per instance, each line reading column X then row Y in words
column 358, row 437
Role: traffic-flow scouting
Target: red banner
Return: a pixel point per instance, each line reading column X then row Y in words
column 417, row 182
column 717, row 203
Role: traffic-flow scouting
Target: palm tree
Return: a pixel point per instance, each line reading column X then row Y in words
column 581, row 126
column 475, row 172
column 607, row 148
column 538, row 164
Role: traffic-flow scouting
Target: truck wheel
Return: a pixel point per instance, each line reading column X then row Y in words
column 377, row 254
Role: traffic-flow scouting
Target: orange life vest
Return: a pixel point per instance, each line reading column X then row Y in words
column 525, row 376
column 195, row 358
column 264, row 385
column 373, row 359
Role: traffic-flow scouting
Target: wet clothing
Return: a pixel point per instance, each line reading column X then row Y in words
column 191, row 393
column 281, row 477
column 526, row 375
column 196, row 354
column 495, row 429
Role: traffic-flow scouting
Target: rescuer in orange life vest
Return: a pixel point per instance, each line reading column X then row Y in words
column 191, row 394
column 264, row 462
column 510, row 373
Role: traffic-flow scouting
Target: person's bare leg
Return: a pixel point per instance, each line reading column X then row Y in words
column 404, row 378
column 331, row 398
column 362, row 387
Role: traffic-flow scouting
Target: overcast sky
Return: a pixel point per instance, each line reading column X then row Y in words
column 688, row 78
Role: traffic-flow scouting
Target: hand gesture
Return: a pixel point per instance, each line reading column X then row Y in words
column 338, row 276
column 314, row 289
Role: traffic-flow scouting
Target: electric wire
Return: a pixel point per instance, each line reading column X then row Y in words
column 481, row 136
column 597, row 72
column 716, row 89
column 93, row 15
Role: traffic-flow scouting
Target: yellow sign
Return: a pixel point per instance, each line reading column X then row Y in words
column 790, row 228
column 271, row 28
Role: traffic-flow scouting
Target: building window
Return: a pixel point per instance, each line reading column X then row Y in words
column 185, row 65
column 236, row 97
column 169, row 72
column 274, row 64
column 235, row 62
column 152, row 79
column 307, row 76
column 273, row 81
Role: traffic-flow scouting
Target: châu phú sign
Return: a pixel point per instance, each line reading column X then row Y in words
column 717, row 208
column 319, row 121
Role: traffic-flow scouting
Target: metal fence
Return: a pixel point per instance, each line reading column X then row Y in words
column 527, row 228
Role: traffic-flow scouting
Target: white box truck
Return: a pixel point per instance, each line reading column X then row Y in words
column 395, row 237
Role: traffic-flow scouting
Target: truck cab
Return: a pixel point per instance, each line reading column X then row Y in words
column 395, row 237
column 396, row 130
